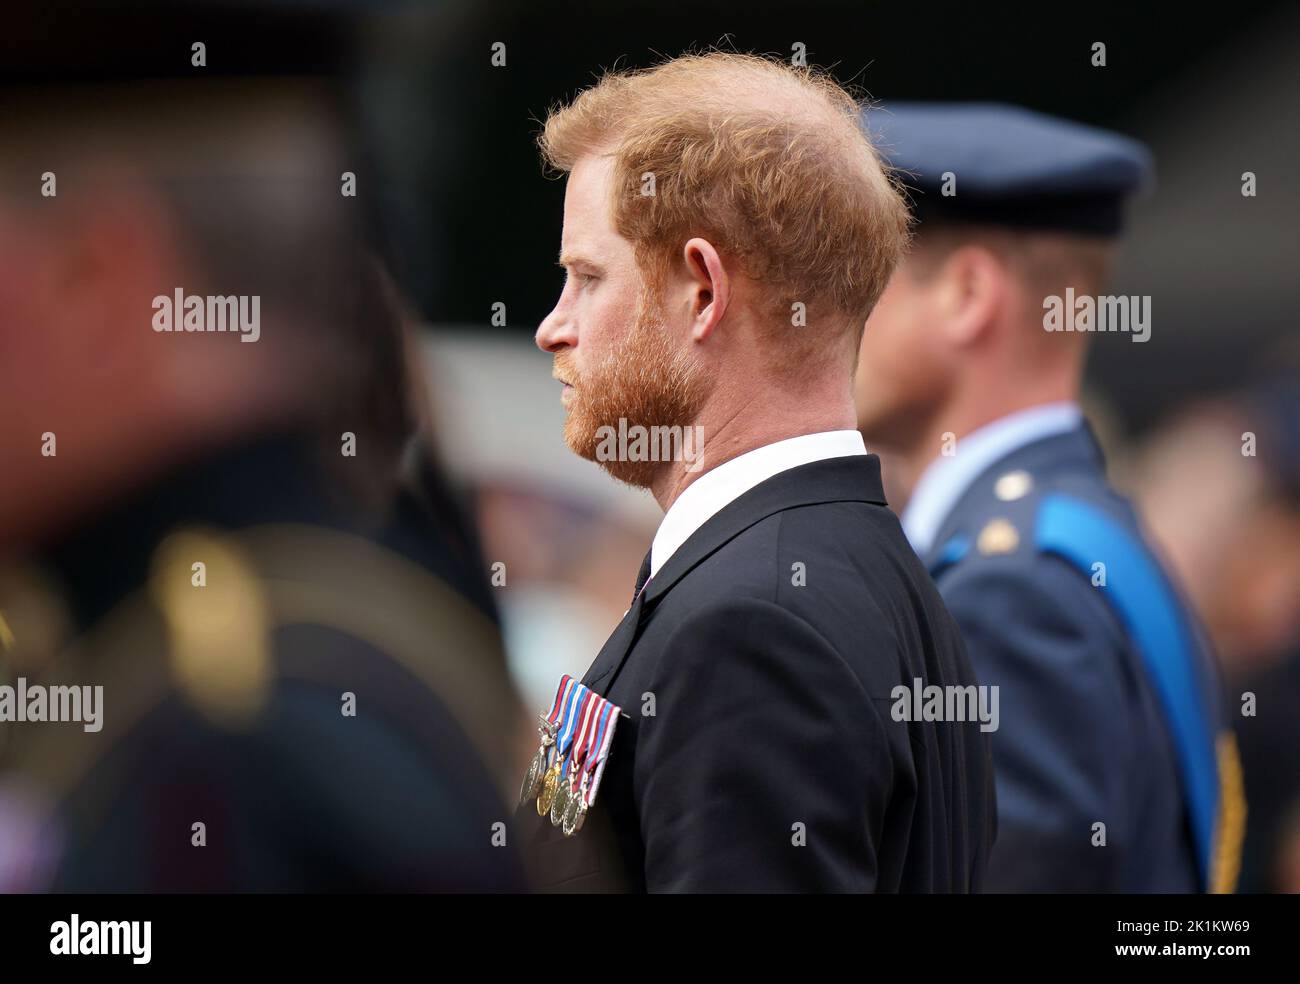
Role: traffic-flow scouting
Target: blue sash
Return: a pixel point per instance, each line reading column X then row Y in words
column 1145, row 602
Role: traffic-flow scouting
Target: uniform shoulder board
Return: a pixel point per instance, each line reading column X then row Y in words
column 1001, row 523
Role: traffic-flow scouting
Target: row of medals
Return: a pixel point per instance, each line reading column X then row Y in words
column 555, row 794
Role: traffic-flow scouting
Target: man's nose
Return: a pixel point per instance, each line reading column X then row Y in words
column 556, row 332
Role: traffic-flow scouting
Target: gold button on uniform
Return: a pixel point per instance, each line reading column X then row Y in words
column 1013, row 485
column 998, row 537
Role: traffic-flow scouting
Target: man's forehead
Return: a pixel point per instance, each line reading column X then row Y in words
column 588, row 224
column 586, row 193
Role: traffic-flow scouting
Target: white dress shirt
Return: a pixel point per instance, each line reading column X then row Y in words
column 947, row 477
column 720, row 486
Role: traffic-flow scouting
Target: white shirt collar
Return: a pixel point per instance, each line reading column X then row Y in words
column 720, row 486
column 947, row 477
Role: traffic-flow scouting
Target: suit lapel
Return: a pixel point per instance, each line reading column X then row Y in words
column 616, row 647
column 848, row 479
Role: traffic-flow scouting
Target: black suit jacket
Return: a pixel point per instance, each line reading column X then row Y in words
column 759, row 752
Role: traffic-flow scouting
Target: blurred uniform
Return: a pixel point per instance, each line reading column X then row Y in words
column 303, row 683
column 1263, row 562
column 1109, row 700
column 328, row 702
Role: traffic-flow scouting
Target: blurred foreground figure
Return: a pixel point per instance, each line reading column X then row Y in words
column 727, row 230
column 278, row 655
column 1112, row 772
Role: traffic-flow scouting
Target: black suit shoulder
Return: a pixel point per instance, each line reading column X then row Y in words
column 755, row 725
column 765, row 755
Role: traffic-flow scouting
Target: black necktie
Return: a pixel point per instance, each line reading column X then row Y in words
column 642, row 578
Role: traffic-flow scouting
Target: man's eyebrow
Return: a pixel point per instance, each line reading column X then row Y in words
column 573, row 259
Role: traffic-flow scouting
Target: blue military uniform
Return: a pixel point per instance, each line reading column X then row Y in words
column 1112, row 771
column 1107, row 697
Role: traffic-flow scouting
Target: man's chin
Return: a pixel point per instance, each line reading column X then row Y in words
column 884, row 425
column 871, row 431
column 584, row 441
column 894, row 433
column 638, row 474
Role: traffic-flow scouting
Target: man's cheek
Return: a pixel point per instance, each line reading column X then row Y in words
column 604, row 321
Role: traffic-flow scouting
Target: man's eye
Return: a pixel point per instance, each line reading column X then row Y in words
column 584, row 279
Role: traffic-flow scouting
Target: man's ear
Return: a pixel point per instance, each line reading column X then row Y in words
column 710, row 287
column 976, row 289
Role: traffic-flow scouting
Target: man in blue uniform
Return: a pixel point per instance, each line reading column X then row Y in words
column 1111, row 771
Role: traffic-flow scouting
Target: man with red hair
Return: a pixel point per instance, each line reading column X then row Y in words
column 727, row 230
